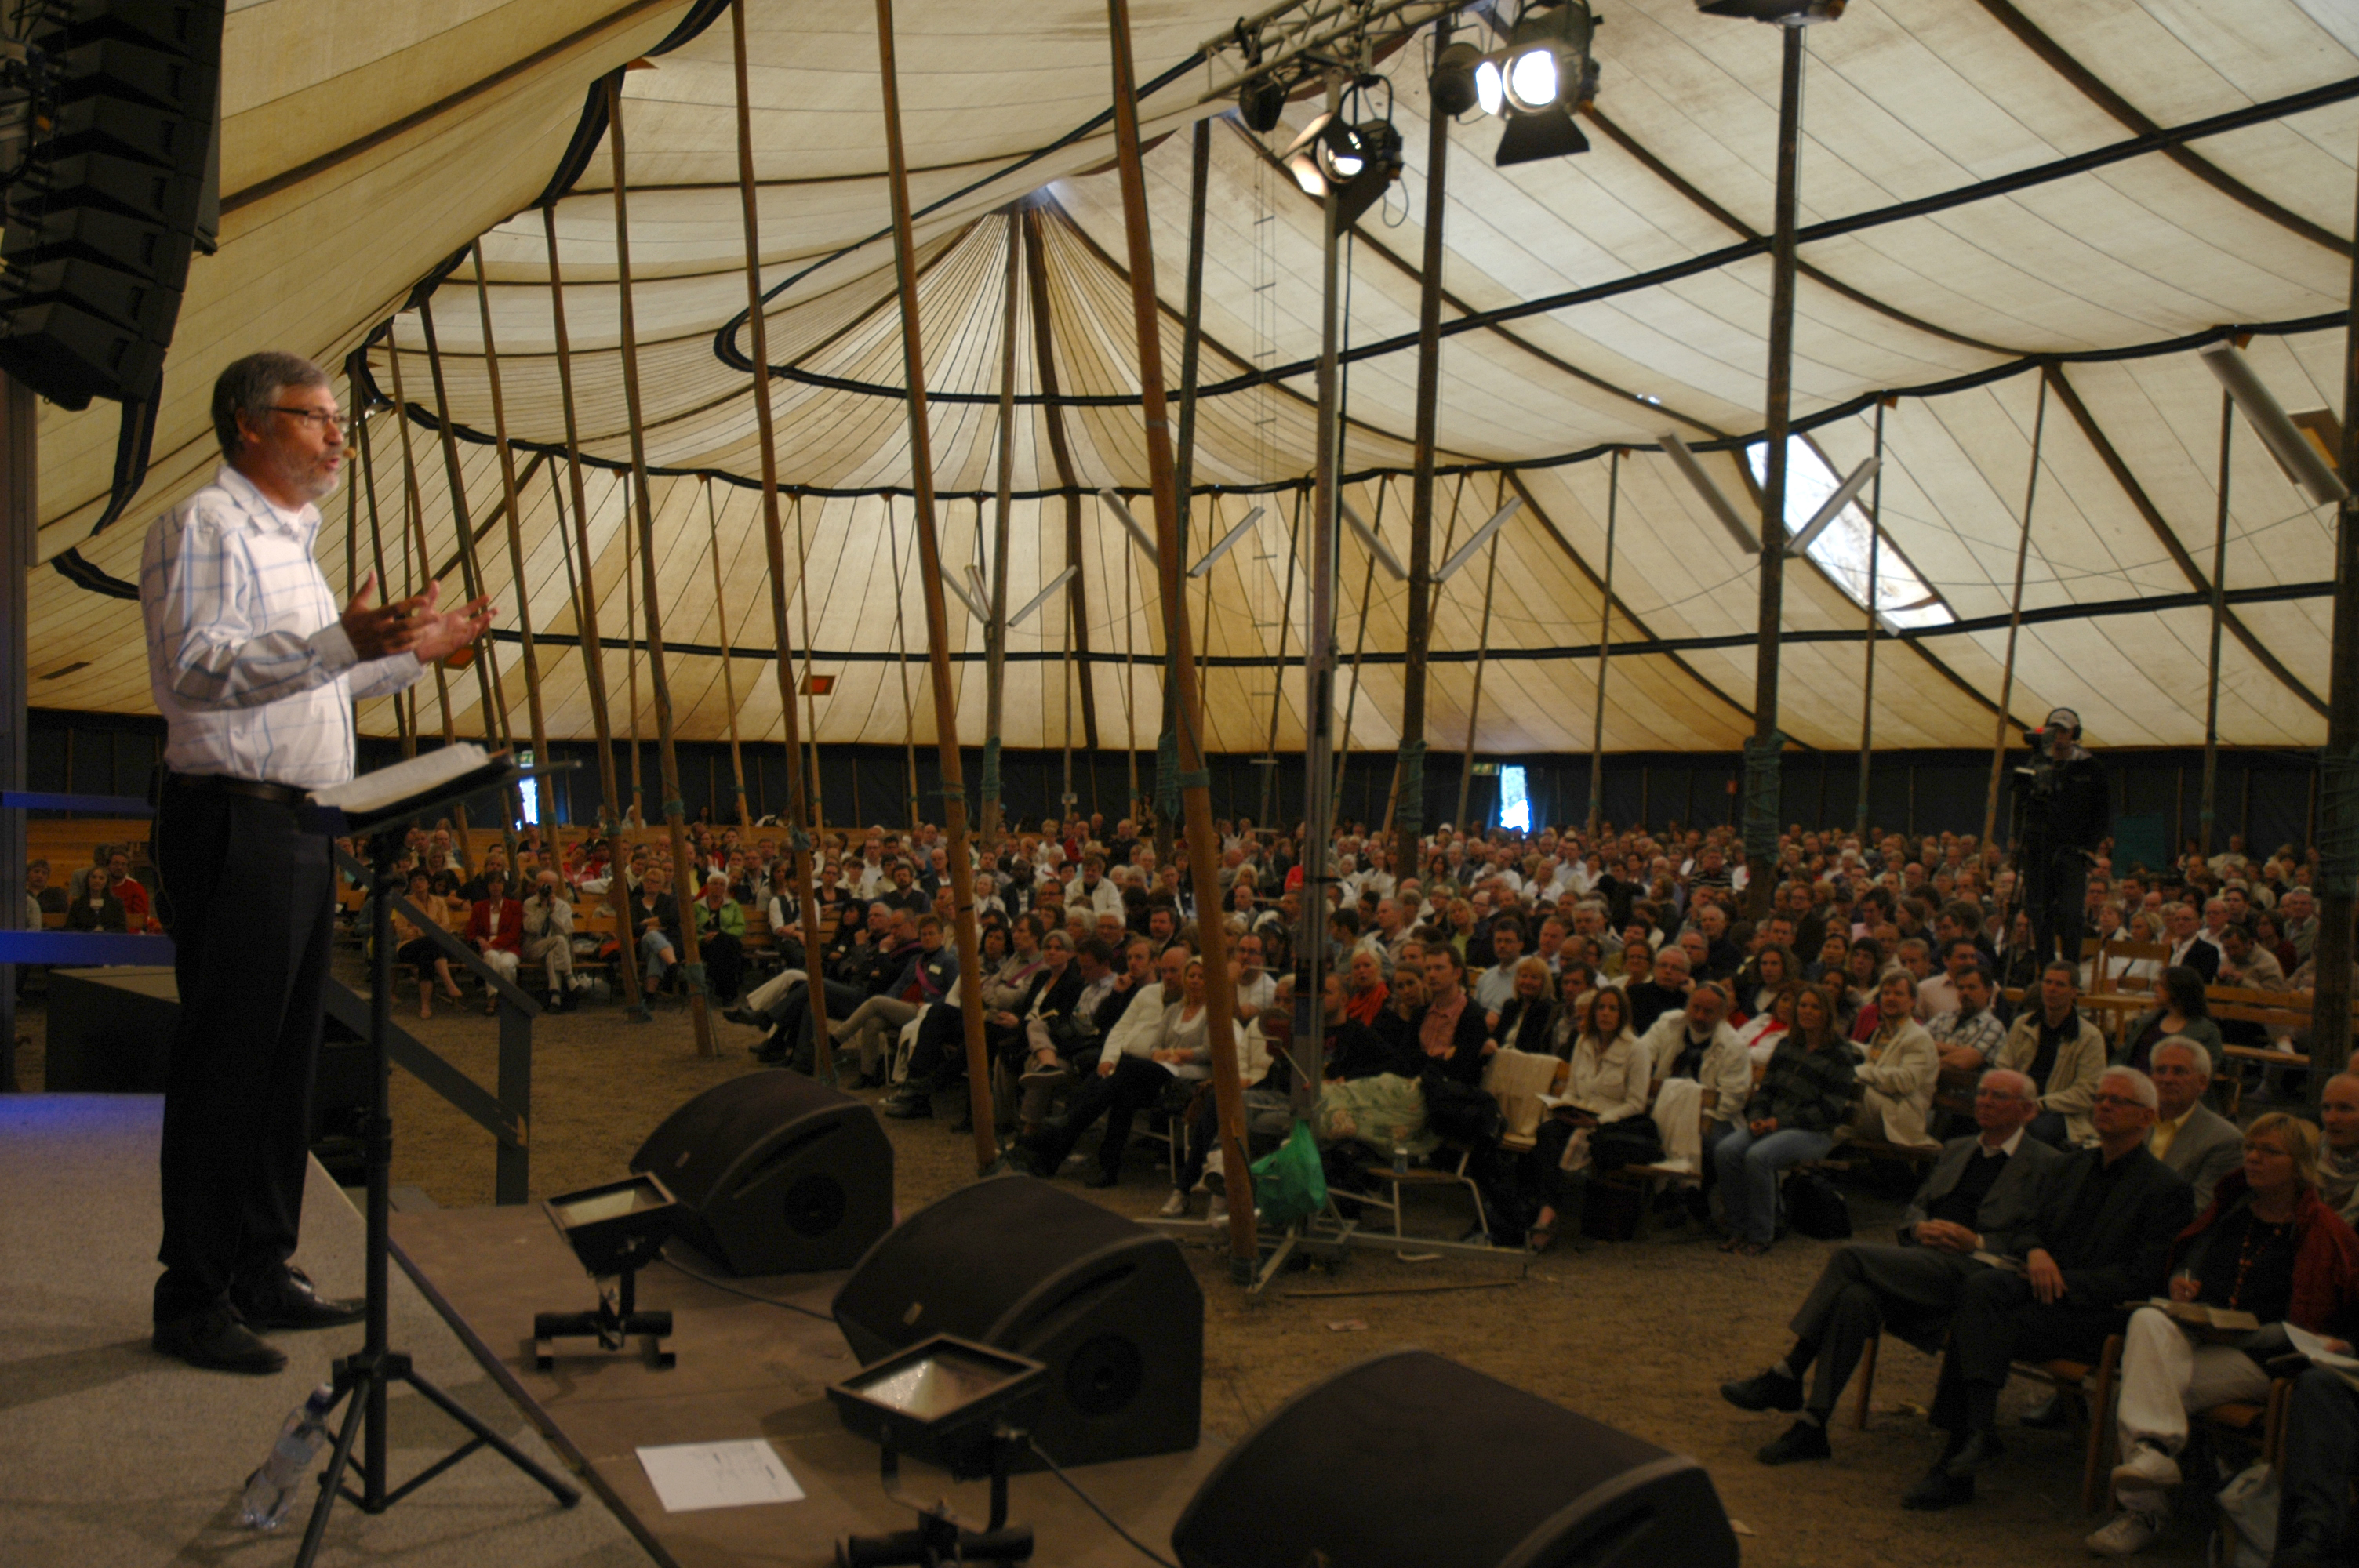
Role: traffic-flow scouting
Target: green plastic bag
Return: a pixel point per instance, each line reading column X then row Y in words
column 1288, row 1182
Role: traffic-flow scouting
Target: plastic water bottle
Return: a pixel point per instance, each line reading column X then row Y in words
column 270, row 1491
column 1401, row 1150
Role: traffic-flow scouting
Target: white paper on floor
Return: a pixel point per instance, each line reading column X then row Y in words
column 691, row 1476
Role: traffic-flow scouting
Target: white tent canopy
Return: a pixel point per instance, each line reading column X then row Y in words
column 1591, row 304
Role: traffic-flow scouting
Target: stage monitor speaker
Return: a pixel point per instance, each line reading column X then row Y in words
column 775, row 1173
column 1019, row 1265
column 1412, row 1460
column 101, row 220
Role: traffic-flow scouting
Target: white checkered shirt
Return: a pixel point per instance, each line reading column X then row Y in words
column 246, row 652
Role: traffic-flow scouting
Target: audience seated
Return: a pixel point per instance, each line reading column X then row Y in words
column 1978, row 1205
column 2263, row 1245
column 2062, row 1052
column 2103, row 1237
column 1803, row 1096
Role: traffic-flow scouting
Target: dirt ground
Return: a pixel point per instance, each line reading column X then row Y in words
column 1637, row 1335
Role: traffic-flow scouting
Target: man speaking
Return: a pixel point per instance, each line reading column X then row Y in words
column 256, row 673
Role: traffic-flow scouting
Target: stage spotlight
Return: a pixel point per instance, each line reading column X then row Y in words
column 1547, row 54
column 1489, row 91
column 1786, row 13
column 1261, row 102
column 1453, row 83
column 1358, row 161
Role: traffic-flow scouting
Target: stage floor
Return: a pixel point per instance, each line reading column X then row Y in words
column 117, row 1456
column 746, row 1370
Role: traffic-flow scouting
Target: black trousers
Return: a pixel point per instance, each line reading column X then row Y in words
column 2321, row 1452
column 1864, row 1289
column 1134, row 1084
column 2055, row 887
column 1998, row 1322
column 252, row 918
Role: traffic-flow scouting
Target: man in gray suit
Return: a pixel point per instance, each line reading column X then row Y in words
column 2195, row 1141
column 1982, row 1196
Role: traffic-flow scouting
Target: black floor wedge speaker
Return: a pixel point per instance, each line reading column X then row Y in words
column 775, row 1173
column 1018, row 1264
column 1412, row 1460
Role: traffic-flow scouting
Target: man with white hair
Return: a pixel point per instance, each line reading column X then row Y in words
column 1982, row 1196
column 2196, row 1142
column 548, row 938
column 2103, row 1237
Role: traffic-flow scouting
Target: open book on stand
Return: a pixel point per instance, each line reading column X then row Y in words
column 416, row 784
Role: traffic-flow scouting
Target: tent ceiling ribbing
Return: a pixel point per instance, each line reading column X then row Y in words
column 1592, row 303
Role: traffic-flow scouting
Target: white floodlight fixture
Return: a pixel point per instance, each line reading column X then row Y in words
column 1490, row 87
column 1465, row 553
column 1145, row 542
column 1826, row 515
column 1301, row 157
column 1729, row 517
column 1043, row 597
column 1377, row 547
column 2296, row 456
column 1228, row 540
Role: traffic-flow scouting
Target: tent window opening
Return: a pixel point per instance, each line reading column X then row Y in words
column 529, row 796
column 1515, row 800
column 1902, row 599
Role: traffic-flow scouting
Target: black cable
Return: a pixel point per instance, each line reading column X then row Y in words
column 1057, row 1470
column 741, row 1291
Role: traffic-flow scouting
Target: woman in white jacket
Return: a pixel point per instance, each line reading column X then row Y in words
column 1902, row 1069
column 1608, row 1081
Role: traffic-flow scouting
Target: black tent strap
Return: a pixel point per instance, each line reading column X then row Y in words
column 2099, row 610
column 2332, row 320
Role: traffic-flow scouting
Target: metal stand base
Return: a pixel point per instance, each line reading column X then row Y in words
column 364, row 1378
column 940, row 1538
column 616, row 1320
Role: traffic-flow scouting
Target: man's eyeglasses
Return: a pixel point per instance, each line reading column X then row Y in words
column 2119, row 1100
column 318, row 419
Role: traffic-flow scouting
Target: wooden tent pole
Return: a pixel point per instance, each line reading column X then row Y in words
column 1759, row 800
column 810, row 697
column 2014, row 618
column 1432, row 602
column 922, row 478
column 728, row 681
column 800, row 809
column 1191, row 346
column 1360, row 638
column 2219, row 615
column 687, row 885
column 489, row 694
column 1277, row 668
column 1604, row 649
column 1407, row 827
column 545, row 799
column 1129, row 679
column 1065, row 685
column 414, row 502
column 996, row 628
column 358, row 408
column 1203, row 848
column 1474, row 708
column 638, row 816
column 1867, row 680
column 594, row 653
column 901, row 664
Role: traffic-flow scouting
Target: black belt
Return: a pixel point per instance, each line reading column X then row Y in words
column 260, row 789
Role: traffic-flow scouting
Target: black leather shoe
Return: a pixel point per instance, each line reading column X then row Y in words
column 1769, row 1390
column 915, row 1107
column 215, row 1340
column 1937, row 1490
column 1803, row 1439
column 290, row 1301
column 1980, row 1450
column 1101, row 1179
column 739, row 1015
column 2048, row 1415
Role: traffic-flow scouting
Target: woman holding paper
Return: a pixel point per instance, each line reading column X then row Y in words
column 2267, row 1250
column 1608, row 1080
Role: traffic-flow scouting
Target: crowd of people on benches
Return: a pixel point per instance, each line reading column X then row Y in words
column 1556, row 1012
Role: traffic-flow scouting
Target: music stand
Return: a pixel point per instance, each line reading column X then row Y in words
column 365, row 1375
